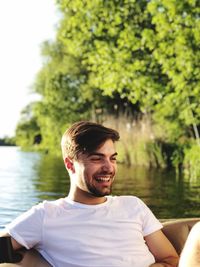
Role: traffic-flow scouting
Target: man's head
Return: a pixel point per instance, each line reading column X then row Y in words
column 90, row 158
column 85, row 137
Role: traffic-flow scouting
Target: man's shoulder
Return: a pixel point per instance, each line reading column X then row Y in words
column 52, row 207
column 127, row 199
column 55, row 203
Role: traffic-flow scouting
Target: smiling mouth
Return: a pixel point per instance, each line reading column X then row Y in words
column 103, row 179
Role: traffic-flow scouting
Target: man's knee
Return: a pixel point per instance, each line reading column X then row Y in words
column 9, row 265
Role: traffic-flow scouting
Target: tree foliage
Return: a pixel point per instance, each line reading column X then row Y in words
column 109, row 55
column 175, row 46
column 28, row 131
column 147, row 51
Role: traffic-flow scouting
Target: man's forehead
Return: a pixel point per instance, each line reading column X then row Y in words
column 106, row 148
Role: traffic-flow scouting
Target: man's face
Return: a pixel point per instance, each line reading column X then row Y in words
column 95, row 171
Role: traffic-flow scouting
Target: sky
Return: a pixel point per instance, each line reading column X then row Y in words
column 24, row 26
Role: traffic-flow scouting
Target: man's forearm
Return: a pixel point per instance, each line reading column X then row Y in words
column 161, row 265
column 168, row 262
column 164, row 264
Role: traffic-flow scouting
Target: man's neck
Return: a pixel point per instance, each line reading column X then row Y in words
column 85, row 197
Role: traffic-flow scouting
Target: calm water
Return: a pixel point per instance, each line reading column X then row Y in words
column 27, row 178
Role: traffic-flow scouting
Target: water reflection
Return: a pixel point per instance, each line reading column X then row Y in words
column 166, row 194
column 52, row 179
column 27, row 178
column 16, row 182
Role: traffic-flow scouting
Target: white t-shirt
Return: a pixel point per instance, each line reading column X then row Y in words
column 71, row 234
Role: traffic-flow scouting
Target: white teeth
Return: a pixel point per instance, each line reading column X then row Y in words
column 103, row 179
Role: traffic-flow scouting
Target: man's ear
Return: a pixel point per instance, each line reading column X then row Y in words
column 69, row 165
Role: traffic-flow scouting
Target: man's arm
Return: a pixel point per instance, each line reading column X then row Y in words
column 190, row 255
column 163, row 251
column 15, row 244
column 7, row 247
column 30, row 258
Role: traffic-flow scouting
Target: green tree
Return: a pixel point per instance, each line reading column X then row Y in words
column 27, row 130
column 107, row 36
column 174, row 44
column 110, row 55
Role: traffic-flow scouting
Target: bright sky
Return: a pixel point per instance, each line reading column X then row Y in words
column 24, row 25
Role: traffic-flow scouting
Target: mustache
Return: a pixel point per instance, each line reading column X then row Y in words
column 105, row 173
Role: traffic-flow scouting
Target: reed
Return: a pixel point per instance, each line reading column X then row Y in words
column 138, row 144
column 191, row 163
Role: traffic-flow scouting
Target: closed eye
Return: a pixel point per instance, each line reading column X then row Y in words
column 95, row 158
column 98, row 157
column 114, row 157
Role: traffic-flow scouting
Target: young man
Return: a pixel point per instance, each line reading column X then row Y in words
column 190, row 256
column 89, row 227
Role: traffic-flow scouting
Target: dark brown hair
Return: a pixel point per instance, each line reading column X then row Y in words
column 85, row 137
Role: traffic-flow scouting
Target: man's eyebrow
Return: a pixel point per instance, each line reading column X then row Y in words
column 100, row 154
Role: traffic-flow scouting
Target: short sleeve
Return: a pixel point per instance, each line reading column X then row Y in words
column 27, row 228
column 150, row 223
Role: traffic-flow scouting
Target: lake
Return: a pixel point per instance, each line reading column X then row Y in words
column 27, row 178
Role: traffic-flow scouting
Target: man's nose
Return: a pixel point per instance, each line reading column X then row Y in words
column 108, row 166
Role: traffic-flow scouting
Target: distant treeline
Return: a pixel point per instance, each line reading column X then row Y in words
column 135, row 59
column 7, row 141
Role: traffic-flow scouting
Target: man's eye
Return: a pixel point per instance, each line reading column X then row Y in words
column 113, row 159
column 95, row 158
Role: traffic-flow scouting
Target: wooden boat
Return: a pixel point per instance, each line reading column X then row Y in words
column 176, row 230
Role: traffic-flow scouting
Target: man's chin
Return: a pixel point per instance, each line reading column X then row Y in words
column 104, row 193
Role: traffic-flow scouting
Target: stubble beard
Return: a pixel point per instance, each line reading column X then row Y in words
column 99, row 193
